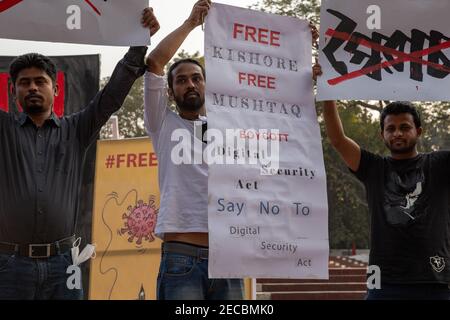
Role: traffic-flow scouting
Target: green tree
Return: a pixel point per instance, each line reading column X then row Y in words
column 131, row 114
column 436, row 124
column 304, row 9
column 185, row 55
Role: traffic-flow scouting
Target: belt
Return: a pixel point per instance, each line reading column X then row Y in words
column 38, row 250
column 186, row 249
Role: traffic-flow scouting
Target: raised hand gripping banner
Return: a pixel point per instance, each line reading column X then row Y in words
column 99, row 22
column 385, row 50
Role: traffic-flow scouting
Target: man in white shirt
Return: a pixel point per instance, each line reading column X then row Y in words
column 183, row 216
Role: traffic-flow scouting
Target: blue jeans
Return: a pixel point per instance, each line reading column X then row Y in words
column 410, row 292
column 23, row 278
column 182, row 277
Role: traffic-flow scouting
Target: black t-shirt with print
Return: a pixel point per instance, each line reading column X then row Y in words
column 409, row 203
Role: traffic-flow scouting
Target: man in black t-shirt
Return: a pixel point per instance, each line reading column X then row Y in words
column 408, row 194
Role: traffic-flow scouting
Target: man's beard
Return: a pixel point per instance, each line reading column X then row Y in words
column 406, row 148
column 33, row 108
column 190, row 103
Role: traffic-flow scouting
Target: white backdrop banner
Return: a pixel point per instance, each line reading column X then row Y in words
column 99, row 22
column 385, row 50
column 268, row 214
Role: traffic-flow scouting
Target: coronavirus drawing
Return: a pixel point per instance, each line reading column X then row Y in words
column 140, row 221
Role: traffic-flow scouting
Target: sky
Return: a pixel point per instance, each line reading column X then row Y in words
column 170, row 14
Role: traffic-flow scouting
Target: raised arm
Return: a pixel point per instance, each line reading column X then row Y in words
column 348, row 149
column 166, row 49
column 111, row 97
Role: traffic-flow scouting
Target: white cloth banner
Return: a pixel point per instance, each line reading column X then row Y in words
column 99, row 22
column 265, row 220
column 385, row 50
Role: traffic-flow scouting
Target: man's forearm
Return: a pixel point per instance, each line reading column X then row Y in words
column 333, row 124
column 348, row 149
column 130, row 68
column 112, row 96
column 166, row 49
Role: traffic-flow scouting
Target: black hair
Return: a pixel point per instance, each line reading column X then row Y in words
column 176, row 64
column 31, row 60
column 399, row 107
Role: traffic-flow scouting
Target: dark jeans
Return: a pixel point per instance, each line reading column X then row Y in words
column 410, row 292
column 23, row 278
column 183, row 277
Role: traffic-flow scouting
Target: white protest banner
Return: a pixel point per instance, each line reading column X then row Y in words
column 267, row 210
column 385, row 50
column 99, row 22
